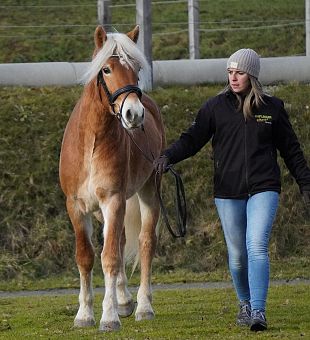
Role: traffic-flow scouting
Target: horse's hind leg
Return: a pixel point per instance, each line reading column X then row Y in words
column 85, row 260
column 147, row 244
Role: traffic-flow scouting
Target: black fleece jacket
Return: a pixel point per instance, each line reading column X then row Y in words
column 245, row 151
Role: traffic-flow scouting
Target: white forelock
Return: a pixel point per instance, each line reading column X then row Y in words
column 121, row 45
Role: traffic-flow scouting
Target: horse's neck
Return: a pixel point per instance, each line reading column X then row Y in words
column 99, row 115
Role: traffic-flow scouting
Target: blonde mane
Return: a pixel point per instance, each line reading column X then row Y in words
column 121, row 45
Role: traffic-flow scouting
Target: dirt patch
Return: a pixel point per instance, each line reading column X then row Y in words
column 159, row 286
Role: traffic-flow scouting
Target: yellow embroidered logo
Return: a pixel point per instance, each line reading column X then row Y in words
column 267, row 119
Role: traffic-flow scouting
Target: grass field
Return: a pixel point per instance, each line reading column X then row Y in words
column 182, row 314
column 284, row 269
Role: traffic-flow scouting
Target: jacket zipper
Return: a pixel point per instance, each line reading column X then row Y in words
column 246, row 157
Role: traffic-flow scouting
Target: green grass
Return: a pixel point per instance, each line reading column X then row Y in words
column 180, row 314
column 226, row 26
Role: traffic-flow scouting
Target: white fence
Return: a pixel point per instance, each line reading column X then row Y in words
column 165, row 72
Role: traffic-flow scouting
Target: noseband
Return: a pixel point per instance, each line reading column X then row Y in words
column 113, row 96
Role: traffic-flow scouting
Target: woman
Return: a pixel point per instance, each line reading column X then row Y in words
column 247, row 127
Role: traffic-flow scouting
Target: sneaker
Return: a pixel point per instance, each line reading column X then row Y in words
column 258, row 322
column 244, row 316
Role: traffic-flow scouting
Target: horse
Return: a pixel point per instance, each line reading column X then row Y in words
column 106, row 171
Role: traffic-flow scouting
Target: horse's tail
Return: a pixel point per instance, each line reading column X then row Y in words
column 132, row 229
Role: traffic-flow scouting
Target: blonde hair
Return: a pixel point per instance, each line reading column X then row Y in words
column 121, row 45
column 253, row 99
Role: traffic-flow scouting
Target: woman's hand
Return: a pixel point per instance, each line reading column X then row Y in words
column 161, row 164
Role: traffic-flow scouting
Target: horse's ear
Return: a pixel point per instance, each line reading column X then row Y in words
column 100, row 37
column 134, row 34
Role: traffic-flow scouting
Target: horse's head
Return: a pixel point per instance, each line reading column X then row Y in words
column 115, row 66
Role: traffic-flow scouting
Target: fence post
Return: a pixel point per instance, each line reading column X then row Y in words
column 307, row 6
column 104, row 13
column 193, row 29
column 144, row 20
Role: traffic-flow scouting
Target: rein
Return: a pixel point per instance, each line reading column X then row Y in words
column 180, row 201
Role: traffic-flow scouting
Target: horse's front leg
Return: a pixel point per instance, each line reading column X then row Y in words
column 147, row 244
column 125, row 302
column 85, row 260
column 113, row 212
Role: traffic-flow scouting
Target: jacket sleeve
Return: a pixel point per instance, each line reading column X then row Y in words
column 290, row 150
column 194, row 138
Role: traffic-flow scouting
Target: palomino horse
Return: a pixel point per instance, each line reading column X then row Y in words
column 103, row 170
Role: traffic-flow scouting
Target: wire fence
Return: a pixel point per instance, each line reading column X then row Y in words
column 27, row 22
column 284, row 24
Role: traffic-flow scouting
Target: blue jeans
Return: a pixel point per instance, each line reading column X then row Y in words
column 247, row 225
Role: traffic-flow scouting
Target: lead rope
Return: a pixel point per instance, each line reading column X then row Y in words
column 180, row 201
column 180, row 204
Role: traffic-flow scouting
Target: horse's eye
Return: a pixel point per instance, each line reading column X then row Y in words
column 106, row 70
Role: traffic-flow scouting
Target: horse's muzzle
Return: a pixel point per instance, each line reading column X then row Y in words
column 133, row 114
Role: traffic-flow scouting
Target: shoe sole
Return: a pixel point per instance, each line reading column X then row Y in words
column 256, row 327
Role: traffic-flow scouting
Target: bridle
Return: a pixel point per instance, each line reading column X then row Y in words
column 128, row 89
column 180, row 201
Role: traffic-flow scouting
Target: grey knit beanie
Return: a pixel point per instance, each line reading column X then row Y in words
column 245, row 60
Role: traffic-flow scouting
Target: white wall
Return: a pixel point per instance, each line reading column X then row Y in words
column 41, row 74
column 165, row 72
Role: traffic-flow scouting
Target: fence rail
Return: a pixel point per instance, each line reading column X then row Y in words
column 165, row 72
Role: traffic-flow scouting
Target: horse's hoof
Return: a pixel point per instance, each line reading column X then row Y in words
column 84, row 323
column 109, row 326
column 145, row 316
column 126, row 310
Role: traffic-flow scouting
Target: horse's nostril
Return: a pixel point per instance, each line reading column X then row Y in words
column 129, row 116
